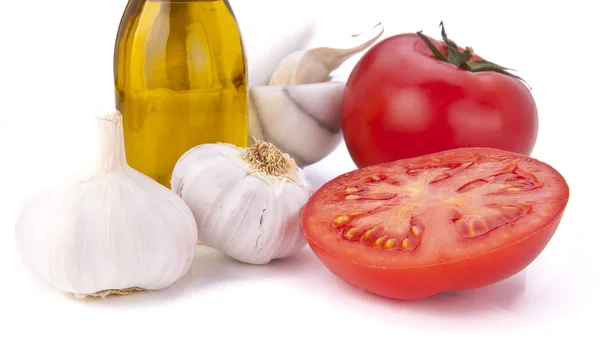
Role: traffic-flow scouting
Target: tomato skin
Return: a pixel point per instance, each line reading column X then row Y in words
column 401, row 102
column 451, row 263
column 415, row 283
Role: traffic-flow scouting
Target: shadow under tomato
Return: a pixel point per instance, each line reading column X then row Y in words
column 502, row 297
column 492, row 305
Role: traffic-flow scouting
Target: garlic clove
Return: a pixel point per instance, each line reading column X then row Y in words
column 246, row 201
column 315, row 65
column 304, row 121
column 115, row 232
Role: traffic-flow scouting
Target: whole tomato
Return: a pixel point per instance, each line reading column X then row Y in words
column 412, row 95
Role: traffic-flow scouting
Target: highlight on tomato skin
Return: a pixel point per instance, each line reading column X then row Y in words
column 452, row 220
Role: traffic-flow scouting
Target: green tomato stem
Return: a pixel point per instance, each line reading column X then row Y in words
column 463, row 60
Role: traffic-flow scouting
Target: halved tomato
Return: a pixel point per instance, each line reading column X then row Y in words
column 452, row 220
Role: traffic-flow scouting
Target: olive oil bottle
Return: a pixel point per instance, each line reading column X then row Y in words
column 180, row 81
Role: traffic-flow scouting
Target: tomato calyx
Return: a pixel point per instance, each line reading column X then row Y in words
column 463, row 60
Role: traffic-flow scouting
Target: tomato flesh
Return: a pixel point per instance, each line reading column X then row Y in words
column 451, row 220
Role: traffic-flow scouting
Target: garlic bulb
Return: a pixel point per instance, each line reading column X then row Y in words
column 315, row 65
column 246, row 201
column 112, row 232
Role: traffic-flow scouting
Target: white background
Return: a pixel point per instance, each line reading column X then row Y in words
column 56, row 70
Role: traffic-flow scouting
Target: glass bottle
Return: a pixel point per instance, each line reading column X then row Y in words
column 180, row 81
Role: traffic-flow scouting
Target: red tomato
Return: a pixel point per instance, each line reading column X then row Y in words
column 401, row 101
column 452, row 220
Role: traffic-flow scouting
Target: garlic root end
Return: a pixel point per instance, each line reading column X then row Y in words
column 106, row 293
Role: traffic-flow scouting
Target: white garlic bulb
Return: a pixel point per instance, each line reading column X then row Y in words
column 113, row 232
column 246, row 201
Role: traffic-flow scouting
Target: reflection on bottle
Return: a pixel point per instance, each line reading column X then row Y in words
column 180, row 81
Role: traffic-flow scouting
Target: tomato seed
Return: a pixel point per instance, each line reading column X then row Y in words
column 351, row 189
column 379, row 241
column 341, row 220
column 390, row 243
column 367, row 235
column 350, row 233
column 405, row 243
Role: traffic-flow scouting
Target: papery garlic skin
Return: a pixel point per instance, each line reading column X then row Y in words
column 115, row 230
column 251, row 216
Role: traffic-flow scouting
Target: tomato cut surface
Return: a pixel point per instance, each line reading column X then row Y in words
column 451, row 220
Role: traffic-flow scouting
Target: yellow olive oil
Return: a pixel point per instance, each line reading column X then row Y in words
column 180, row 81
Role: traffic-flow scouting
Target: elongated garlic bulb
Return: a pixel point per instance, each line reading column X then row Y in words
column 246, row 201
column 113, row 232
